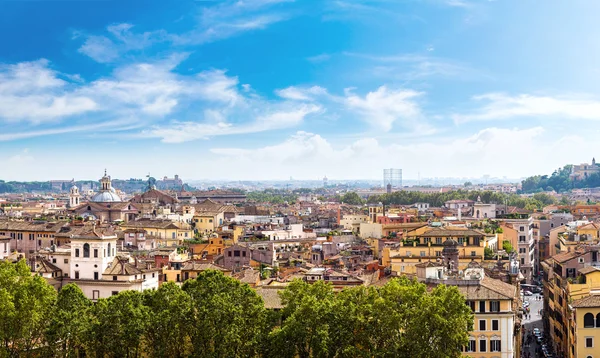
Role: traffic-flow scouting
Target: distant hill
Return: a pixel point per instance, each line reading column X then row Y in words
column 560, row 181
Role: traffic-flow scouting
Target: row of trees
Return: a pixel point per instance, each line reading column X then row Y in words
column 538, row 201
column 217, row 316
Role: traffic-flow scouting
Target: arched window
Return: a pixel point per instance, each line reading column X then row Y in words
column 598, row 320
column 86, row 250
column 588, row 320
column 108, row 249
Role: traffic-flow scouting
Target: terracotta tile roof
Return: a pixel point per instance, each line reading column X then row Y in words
column 590, row 226
column 196, row 266
column 588, row 269
column 566, row 256
column 489, row 289
column 121, row 266
column 271, row 297
column 590, row 301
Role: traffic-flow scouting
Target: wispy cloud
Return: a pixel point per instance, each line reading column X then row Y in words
column 410, row 67
column 215, row 22
column 178, row 132
column 503, row 106
column 319, row 58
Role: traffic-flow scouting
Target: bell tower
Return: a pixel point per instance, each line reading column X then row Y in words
column 74, row 197
column 105, row 182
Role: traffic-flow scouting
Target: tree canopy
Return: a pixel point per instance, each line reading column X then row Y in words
column 218, row 316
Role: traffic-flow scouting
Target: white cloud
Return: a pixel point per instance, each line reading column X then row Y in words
column 215, row 124
column 310, row 156
column 502, row 106
column 384, row 107
column 319, row 58
column 31, row 91
column 216, row 22
column 301, row 94
column 100, row 49
column 410, row 67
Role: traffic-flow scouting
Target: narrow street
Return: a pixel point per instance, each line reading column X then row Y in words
column 535, row 321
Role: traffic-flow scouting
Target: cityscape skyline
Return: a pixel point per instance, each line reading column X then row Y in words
column 298, row 88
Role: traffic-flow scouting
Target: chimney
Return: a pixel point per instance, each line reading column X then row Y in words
column 459, row 213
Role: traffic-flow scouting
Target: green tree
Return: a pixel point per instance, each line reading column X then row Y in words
column 468, row 184
column 507, row 246
column 167, row 332
column 440, row 325
column 228, row 318
column 117, row 326
column 488, row 253
column 352, row 198
column 307, row 314
column 69, row 322
column 26, row 304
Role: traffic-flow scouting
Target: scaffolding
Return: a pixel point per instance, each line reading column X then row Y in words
column 393, row 178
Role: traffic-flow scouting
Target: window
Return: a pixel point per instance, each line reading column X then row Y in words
column 473, row 253
column 95, row 275
column 76, row 252
column 482, row 345
column 589, row 342
column 408, row 253
column 495, row 345
column 53, row 261
column 494, row 306
column 598, row 320
column 109, row 249
column 229, row 253
column 588, row 320
column 471, row 346
column 236, row 253
column 422, row 253
column 76, row 274
column 95, row 294
column 482, row 325
column 86, row 250
column 438, row 240
column 95, row 252
column 66, row 261
column 472, row 305
column 244, row 253
column 461, row 240
column 438, row 253
column 482, row 306
column 522, row 238
column 495, row 325
column 114, row 293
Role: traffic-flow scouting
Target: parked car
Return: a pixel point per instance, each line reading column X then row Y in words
column 527, row 293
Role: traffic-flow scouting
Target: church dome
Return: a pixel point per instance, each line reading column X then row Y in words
column 106, row 197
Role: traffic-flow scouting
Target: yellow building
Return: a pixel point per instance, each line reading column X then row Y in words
column 568, row 283
column 207, row 221
column 428, row 246
column 587, row 326
column 589, row 230
column 166, row 232
column 494, row 304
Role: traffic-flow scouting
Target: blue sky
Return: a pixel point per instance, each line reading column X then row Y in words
column 268, row 89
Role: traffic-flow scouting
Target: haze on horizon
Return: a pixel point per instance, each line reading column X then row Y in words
column 268, row 89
